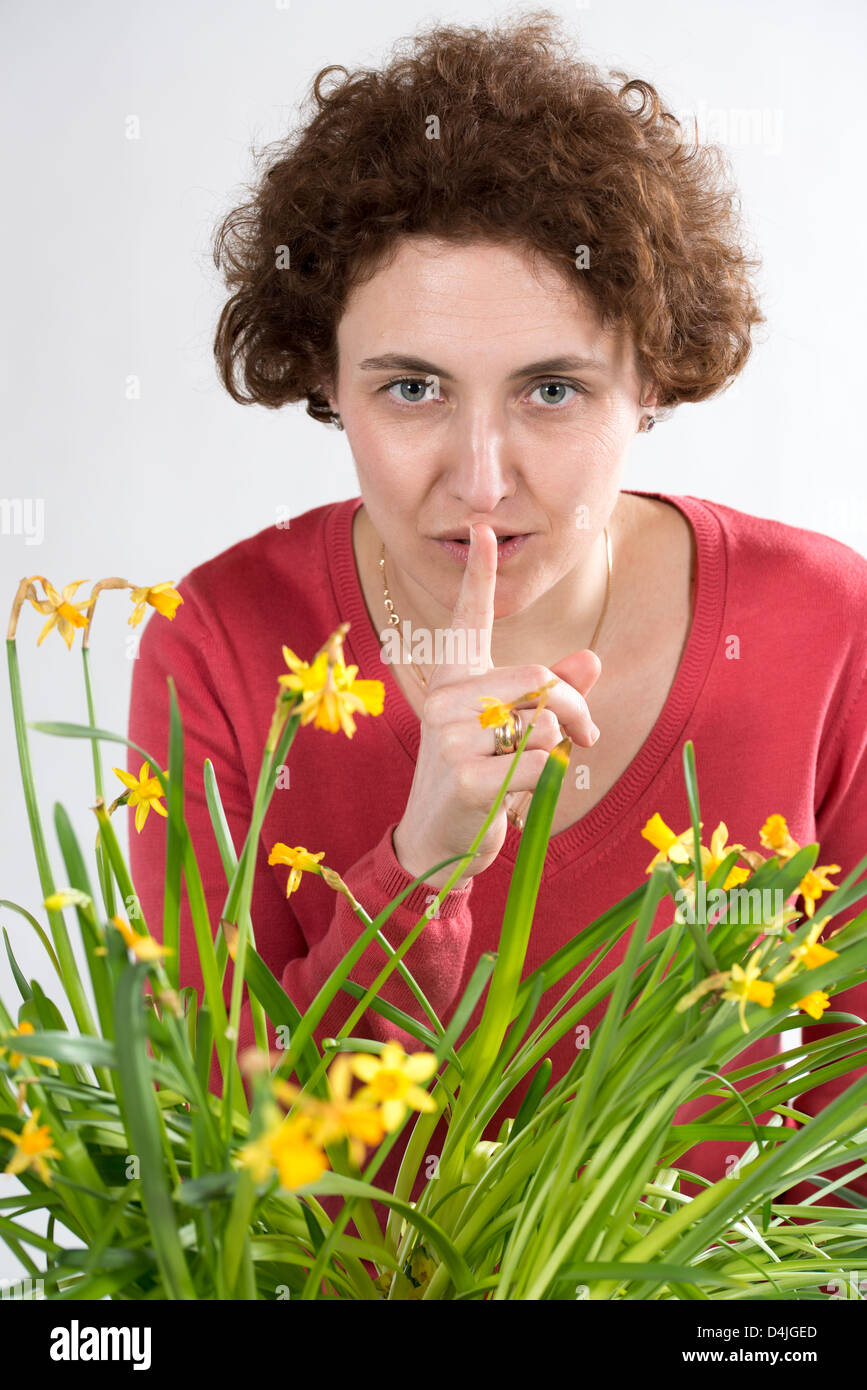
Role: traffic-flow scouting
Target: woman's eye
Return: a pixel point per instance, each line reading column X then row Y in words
column 554, row 386
column 416, row 389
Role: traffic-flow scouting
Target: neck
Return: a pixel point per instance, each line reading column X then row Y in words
column 561, row 620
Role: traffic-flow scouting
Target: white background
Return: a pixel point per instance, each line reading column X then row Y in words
column 107, row 274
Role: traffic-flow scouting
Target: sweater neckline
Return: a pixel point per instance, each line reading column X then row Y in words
column 363, row 649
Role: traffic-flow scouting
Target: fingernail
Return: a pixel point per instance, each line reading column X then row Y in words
column 594, row 733
column 472, row 534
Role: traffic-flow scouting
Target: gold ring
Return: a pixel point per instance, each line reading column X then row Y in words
column 507, row 736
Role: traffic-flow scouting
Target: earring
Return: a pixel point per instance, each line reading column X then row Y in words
column 336, row 421
column 649, row 422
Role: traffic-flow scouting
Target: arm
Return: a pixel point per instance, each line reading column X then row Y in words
column 303, row 947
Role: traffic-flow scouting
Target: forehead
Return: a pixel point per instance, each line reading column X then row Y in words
column 474, row 293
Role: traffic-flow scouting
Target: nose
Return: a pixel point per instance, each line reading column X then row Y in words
column 479, row 465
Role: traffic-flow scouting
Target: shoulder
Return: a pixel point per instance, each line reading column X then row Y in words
column 255, row 583
column 291, row 550
column 789, row 565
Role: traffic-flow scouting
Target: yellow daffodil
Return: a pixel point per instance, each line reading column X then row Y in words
column 390, row 1081
column 816, row 882
column 298, row 860
column 745, row 985
column 810, row 953
column 774, row 835
column 162, row 597
column 289, row 1147
column 32, row 1147
column 15, row 1058
column 340, row 1117
column 712, row 858
column 143, row 947
column 144, row 793
column 299, row 1159
column 811, row 950
column 814, row 1004
column 64, row 613
column 330, row 693
column 663, row 838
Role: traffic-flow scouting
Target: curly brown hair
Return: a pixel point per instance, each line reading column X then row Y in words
column 532, row 146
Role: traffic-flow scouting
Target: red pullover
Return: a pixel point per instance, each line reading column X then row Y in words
column 779, row 727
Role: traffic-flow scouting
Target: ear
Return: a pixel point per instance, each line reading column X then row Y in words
column 649, row 395
column 326, row 389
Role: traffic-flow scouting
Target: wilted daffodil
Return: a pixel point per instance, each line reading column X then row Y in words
column 163, row 597
column 32, row 1147
column 65, row 614
column 15, row 1058
column 499, row 712
column 419, row 1270
column 144, row 793
column 298, row 859
column 330, row 693
column 67, row 897
column 391, row 1081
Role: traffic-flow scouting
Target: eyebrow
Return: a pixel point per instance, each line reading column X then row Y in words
column 402, row 362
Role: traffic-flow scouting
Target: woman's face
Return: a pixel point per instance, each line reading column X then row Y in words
column 478, row 430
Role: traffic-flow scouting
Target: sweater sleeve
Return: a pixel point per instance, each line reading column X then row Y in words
column 186, row 651
column 841, row 830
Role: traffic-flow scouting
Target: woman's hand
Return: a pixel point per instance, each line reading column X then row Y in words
column 457, row 773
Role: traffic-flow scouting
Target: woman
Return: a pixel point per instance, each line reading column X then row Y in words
column 492, row 268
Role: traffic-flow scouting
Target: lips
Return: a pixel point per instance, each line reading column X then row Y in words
column 507, row 546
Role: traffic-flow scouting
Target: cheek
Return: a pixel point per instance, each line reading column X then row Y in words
column 605, row 435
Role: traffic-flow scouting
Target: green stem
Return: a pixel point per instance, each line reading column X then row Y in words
column 71, row 977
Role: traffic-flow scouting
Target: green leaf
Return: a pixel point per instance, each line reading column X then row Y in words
column 330, row 1182
column 142, row 1125
column 174, row 840
column 281, row 1011
column 23, row 987
column 530, row 1104
column 28, row 916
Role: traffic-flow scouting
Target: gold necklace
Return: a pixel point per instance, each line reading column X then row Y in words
column 394, row 617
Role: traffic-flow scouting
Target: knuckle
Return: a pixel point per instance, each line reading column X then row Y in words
column 451, row 739
column 547, row 723
column 538, row 676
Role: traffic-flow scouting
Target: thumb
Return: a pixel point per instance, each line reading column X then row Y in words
column 581, row 669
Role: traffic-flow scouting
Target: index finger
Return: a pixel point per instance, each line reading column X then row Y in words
column 468, row 639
